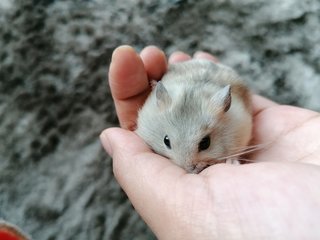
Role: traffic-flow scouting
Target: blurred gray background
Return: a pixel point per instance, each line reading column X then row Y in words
column 56, row 182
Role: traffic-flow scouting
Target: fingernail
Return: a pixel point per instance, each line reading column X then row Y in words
column 198, row 52
column 201, row 54
column 205, row 55
column 106, row 143
column 122, row 48
column 178, row 56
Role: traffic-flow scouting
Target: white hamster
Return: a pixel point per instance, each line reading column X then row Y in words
column 198, row 114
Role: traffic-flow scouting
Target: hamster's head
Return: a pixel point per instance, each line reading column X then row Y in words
column 188, row 128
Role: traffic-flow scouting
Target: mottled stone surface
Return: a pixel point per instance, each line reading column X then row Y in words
column 55, row 181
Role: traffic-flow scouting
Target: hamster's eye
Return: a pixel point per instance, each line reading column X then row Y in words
column 166, row 141
column 204, row 144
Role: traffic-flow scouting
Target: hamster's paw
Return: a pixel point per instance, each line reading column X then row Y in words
column 233, row 161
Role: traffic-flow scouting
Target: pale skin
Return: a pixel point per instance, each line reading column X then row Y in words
column 276, row 198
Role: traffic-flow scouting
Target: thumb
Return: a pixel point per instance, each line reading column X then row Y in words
column 147, row 178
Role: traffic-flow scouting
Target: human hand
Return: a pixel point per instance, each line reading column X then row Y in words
column 277, row 198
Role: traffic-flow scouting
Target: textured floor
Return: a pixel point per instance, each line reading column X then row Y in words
column 56, row 183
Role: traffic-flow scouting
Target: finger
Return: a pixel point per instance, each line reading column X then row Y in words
column 286, row 128
column 205, row 55
column 147, row 178
column 179, row 57
column 260, row 103
column 129, row 85
column 154, row 61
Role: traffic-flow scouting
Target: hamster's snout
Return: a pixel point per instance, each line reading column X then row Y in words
column 199, row 165
column 197, row 168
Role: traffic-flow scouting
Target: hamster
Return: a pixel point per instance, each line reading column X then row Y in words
column 199, row 114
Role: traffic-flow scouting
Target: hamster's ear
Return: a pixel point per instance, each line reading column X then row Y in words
column 223, row 98
column 162, row 96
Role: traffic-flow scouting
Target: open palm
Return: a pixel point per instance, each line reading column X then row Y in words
column 276, row 198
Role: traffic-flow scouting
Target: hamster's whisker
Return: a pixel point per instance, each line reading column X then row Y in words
column 210, row 161
column 253, row 148
column 235, row 155
column 261, row 145
column 246, row 160
column 245, row 151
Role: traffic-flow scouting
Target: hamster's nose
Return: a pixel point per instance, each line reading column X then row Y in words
column 191, row 169
column 196, row 168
